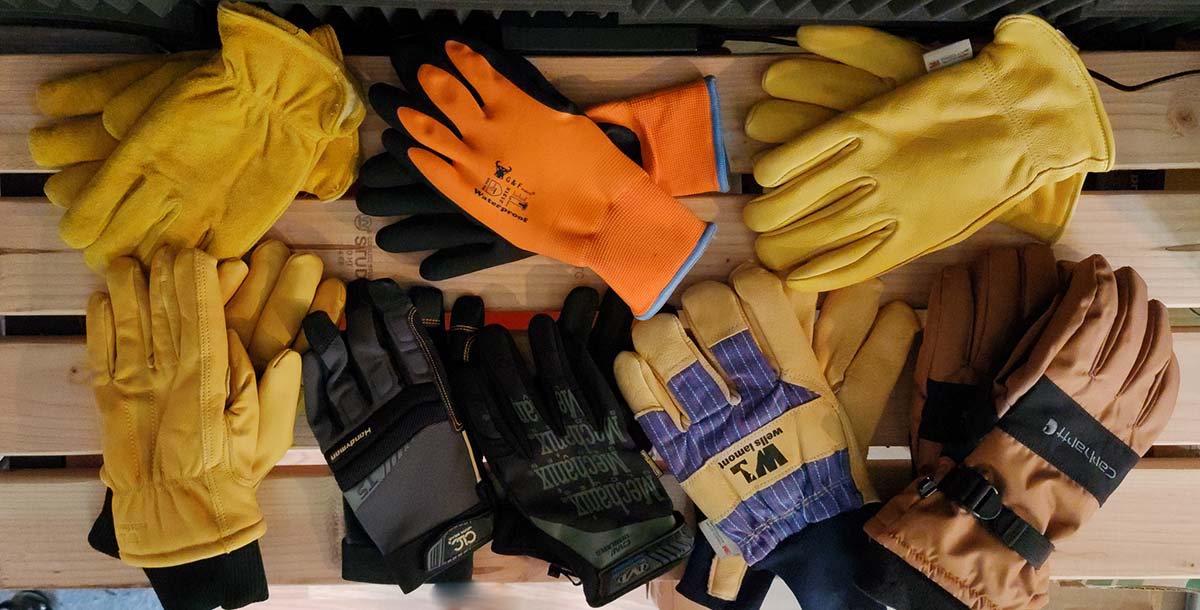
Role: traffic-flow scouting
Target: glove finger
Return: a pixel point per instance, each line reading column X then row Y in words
column 289, row 301
column 410, row 349
column 522, row 414
column 996, row 278
column 432, row 232
column 435, row 136
column 113, row 222
column 231, row 272
column 430, row 313
column 842, row 328
column 243, row 311
column 1154, row 384
column 454, row 262
column 63, row 187
column 88, row 92
column 167, row 323
column 868, row 49
column 494, row 76
column 697, row 388
column 577, row 315
column 330, row 299
column 611, row 331
column 71, row 141
column 824, row 147
column 371, row 360
column 821, row 192
column 556, row 369
column 1040, row 280
column 856, row 259
column 1116, row 358
column 404, row 200
column 767, row 313
column 804, row 304
column 242, row 408
column 777, row 121
column 823, row 83
column 842, row 235
column 385, row 170
column 450, row 96
column 386, row 99
column 652, row 404
column 327, row 367
column 872, row 375
column 278, row 399
column 466, row 318
column 129, row 294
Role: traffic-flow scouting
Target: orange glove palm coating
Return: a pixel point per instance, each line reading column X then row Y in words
column 551, row 182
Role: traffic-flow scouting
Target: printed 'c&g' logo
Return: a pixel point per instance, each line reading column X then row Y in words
column 462, row 540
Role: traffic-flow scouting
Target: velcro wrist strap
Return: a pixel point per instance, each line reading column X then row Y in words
column 421, row 560
column 968, row 488
column 638, row 566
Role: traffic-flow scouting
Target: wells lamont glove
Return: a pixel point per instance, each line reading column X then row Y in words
column 1093, row 385
column 575, row 490
column 94, row 110
column 378, row 403
column 193, row 171
column 928, row 164
column 860, row 349
column 187, row 431
column 977, row 314
column 853, row 65
column 673, row 133
column 743, row 414
column 524, row 161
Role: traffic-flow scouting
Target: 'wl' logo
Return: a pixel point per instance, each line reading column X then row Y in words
column 767, row 460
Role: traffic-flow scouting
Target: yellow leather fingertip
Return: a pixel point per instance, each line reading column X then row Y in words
column 242, row 311
column 289, row 301
column 776, row 121
column 70, row 141
column 62, row 188
column 869, row 49
column 643, row 391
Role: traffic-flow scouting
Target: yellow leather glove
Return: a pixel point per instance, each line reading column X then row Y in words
column 851, row 65
column 221, row 153
column 267, row 300
column 187, row 431
column 95, row 110
column 861, row 348
column 925, row 166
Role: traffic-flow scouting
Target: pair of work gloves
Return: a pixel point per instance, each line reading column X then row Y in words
column 199, row 149
column 404, row 408
column 879, row 163
column 477, row 132
column 197, row 371
column 1037, row 388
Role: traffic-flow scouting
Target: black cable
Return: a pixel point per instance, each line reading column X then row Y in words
column 1150, row 83
column 763, row 38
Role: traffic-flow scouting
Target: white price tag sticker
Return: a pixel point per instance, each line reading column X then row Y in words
column 721, row 544
column 948, row 55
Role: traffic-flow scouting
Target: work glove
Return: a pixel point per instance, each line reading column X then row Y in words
column 851, row 198
column 94, row 110
column 742, row 414
column 267, row 301
column 860, row 350
column 1091, row 386
column 523, row 160
column 851, row 65
column 187, row 431
column 194, row 170
column 379, row 405
column 674, row 134
column 977, row 314
column 573, row 488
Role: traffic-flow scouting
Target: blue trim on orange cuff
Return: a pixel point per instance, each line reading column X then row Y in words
column 698, row 251
column 722, row 160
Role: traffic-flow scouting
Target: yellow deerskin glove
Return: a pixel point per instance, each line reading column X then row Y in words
column 186, row 433
column 221, row 153
column 928, row 164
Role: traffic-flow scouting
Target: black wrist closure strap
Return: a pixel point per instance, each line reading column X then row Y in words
column 968, row 488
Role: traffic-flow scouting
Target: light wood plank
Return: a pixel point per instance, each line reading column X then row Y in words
column 1154, row 128
column 1157, row 233
column 46, row 407
column 48, row 513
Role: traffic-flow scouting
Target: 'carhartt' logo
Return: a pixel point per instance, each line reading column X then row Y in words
column 1064, row 435
column 463, row 540
column 1051, row 427
column 348, row 444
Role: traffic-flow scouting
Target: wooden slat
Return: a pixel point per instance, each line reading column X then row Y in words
column 1157, row 233
column 46, row 404
column 1155, row 128
column 1149, row 528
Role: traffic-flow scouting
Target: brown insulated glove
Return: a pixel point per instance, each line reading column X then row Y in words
column 1096, row 388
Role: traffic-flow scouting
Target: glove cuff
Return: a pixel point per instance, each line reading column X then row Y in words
column 646, row 245
column 638, row 566
column 887, row 579
column 196, row 519
column 440, row 549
